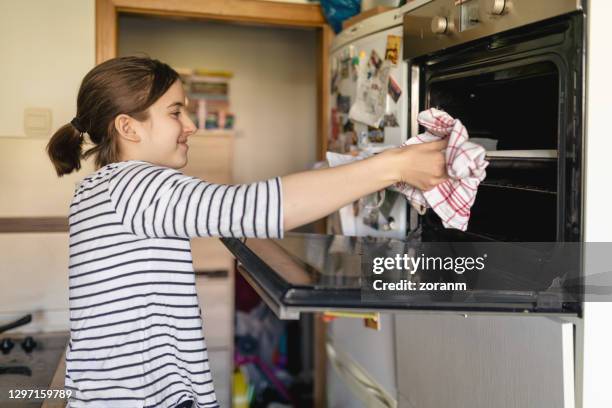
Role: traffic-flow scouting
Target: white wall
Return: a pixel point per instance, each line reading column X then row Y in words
column 597, row 354
column 46, row 47
column 273, row 92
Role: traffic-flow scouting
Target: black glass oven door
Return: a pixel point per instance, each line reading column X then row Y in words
column 315, row 272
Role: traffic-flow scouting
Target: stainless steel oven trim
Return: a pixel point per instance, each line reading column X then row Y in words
column 415, row 101
column 420, row 39
column 516, row 61
column 293, row 312
column 415, row 81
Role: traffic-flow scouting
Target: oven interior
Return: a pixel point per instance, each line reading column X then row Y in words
column 513, row 109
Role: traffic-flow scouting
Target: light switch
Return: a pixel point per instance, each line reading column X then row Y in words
column 37, row 122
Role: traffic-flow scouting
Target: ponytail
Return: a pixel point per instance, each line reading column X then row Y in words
column 64, row 149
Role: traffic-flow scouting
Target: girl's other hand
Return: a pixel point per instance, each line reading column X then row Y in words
column 421, row 165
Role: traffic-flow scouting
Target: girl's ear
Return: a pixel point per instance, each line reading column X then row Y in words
column 126, row 128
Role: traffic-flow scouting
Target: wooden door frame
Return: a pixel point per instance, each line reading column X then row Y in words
column 255, row 12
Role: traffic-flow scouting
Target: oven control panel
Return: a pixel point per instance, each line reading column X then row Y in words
column 440, row 24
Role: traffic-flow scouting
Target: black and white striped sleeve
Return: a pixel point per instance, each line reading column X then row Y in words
column 155, row 201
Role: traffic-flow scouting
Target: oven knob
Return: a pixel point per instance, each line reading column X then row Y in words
column 28, row 344
column 439, row 25
column 6, row 345
column 498, row 7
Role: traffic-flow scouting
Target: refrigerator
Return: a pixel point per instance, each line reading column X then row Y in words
column 378, row 39
column 361, row 360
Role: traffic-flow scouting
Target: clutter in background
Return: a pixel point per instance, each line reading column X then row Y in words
column 208, row 98
column 376, row 100
column 336, row 11
column 268, row 367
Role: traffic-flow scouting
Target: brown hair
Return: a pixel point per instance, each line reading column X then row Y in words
column 124, row 85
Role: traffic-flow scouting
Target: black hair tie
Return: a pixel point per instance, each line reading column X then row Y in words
column 77, row 125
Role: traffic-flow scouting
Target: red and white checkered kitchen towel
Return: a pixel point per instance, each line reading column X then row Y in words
column 465, row 165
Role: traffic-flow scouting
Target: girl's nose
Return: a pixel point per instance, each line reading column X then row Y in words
column 189, row 127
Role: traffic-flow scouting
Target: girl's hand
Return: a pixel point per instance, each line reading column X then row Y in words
column 421, row 165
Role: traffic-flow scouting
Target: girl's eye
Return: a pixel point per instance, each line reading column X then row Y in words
column 176, row 114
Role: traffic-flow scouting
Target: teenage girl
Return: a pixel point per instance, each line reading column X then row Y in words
column 136, row 334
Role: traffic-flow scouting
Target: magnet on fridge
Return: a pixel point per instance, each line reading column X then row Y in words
column 375, row 60
column 334, row 82
column 335, row 124
column 351, row 51
column 344, row 68
column 394, row 89
column 349, row 127
column 389, row 120
column 355, row 68
column 393, row 48
column 343, row 103
column 375, row 135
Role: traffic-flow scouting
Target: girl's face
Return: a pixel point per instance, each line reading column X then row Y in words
column 163, row 136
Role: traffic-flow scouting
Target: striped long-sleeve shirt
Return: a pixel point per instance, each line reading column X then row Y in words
column 136, row 337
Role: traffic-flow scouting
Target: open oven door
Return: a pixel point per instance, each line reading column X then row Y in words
column 313, row 272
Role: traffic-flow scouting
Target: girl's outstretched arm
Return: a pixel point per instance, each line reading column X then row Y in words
column 311, row 195
column 155, row 201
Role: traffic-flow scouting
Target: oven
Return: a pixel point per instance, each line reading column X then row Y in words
column 513, row 72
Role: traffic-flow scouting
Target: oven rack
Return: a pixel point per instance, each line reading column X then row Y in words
column 523, row 187
column 549, row 154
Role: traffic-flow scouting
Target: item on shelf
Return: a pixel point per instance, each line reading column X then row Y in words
column 229, row 121
column 212, row 120
column 207, row 89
